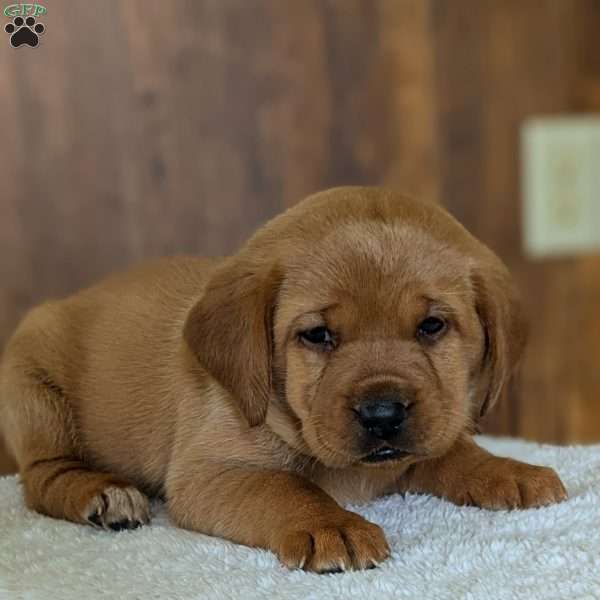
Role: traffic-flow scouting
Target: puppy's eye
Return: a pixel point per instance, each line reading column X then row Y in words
column 317, row 336
column 431, row 327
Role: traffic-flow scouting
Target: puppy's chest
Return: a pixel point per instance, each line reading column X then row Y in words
column 350, row 486
column 346, row 486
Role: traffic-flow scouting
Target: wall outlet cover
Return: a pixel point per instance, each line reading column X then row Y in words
column 561, row 186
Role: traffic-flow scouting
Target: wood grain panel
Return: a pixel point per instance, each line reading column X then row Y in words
column 147, row 130
column 498, row 64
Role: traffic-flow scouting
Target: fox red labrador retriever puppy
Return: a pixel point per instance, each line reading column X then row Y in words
column 346, row 351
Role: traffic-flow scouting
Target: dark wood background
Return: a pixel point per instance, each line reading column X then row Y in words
column 140, row 128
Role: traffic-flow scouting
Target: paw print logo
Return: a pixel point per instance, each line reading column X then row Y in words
column 24, row 32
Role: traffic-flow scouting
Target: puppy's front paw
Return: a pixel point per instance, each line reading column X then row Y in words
column 500, row 483
column 118, row 508
column 330, row 546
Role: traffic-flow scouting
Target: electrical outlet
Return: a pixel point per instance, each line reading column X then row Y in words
column 561, row 186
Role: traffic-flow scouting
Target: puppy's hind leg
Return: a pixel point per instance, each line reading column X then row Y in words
column 40, row 430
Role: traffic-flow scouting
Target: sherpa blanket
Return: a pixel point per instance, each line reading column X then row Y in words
column 440, row 551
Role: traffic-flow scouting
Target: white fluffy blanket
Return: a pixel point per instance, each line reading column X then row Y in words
column 440, row 551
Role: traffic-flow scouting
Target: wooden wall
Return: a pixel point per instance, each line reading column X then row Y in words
column 139, row 128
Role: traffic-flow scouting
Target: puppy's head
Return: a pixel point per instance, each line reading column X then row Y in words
column 379, row 323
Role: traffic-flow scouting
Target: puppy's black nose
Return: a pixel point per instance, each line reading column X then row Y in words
column 382, row 416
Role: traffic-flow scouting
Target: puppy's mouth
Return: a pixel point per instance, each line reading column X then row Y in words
column 384, row 454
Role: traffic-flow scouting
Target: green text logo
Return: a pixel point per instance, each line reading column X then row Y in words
column 25, row 10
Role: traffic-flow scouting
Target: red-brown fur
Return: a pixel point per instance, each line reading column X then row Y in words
column 186, row 378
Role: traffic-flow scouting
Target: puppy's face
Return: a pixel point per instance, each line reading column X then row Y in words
column 377, row 340
column 378, row 323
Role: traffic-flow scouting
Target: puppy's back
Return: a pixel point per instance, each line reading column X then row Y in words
column 113, row 351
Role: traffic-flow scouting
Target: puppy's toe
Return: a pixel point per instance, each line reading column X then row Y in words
column 118, row 508
column 367, row 545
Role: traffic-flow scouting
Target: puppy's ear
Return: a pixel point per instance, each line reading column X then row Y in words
column 504, row 328
column 230, row 332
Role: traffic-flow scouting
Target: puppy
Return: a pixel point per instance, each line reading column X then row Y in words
column 345, row 352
